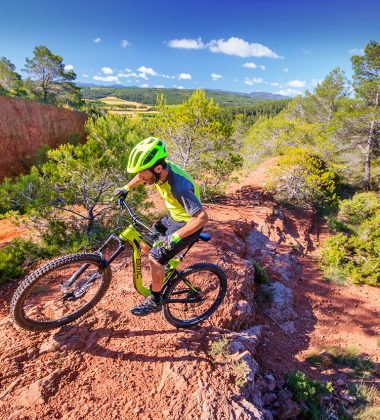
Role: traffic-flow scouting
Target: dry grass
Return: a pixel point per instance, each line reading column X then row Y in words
column 112, row 100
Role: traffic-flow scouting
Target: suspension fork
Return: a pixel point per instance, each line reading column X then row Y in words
column 104, row 262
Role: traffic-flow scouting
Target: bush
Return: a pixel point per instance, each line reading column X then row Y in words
column 357, row 253
column 16, row 256
column 309, row 392
column 360, row 207
column 302, row 179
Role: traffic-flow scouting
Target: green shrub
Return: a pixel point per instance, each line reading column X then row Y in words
column 358, row 257
column 302, row 179
column 308, row 391
column 261, row 275
column 16, row 256
column 356, row 254
column 360, row 207
column 219, row 348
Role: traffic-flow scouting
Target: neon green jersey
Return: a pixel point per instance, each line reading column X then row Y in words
column 180, row 192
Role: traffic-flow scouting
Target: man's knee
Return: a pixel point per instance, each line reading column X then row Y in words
column 154, row 261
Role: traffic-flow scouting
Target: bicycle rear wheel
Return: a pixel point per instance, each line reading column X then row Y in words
column 193, row 298
column 44, row 301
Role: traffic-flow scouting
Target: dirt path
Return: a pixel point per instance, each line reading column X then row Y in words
column 329, row 314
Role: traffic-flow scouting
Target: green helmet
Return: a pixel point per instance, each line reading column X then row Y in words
column 145, row 154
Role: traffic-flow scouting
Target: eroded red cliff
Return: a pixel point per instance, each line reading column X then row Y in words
column 25, row 126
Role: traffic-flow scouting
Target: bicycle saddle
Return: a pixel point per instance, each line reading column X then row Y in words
column 204, row 237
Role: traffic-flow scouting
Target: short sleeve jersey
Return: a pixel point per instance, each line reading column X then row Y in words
column 180, row 192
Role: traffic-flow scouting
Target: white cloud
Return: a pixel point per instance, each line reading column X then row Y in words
column 249, row 65
column 107, row 78
column 69, row 67
column 274, row 84
column 184, row 76
column 107, row 70
column 166, row 76
column 145, row 85
column 147, row 70
column 128, row 70
column 84, row 75
column 159, row 86
column 296, row 83
column 128, row 75
column 215, row 77
column 289, row 92
column 97, row 40
column 179, row 87
column 124, row 43
column 253, row 81
column 356, row 51
column 241, row 48
column 286, row 70
column 253, row 66
column 190, row 44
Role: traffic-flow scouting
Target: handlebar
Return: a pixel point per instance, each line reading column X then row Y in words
column 136, row 222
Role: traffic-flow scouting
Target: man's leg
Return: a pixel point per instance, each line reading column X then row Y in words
column 157, row 271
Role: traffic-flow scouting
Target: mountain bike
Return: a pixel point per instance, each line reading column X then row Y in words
column 65, row 289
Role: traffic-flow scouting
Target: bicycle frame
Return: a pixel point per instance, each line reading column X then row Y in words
column 132, row 235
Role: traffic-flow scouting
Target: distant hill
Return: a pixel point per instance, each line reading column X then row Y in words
column 174, row 96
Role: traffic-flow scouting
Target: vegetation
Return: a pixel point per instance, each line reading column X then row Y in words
column 10, row 81
column 173, row 96
column 302, row 179
column 309, row 392
column 348, row 357
column 15, row 257
column 199, row 141
column 47, row 80
column 219, row 348
column 261, row 276
column 367, row 399
column 354, row 252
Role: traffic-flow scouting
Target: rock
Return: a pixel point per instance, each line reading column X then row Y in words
column 284, row 395
column 31, row 395
column 40, row 124
column 40, row 391
column 289, row 410
column 269, row 398
column 49, row 346
column 340, row 382
column 245, row 340
column 251, row 363
column 288, row 327
column 281, row 305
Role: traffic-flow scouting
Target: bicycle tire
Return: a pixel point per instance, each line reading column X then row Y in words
column 28, row 284
column 196, row 268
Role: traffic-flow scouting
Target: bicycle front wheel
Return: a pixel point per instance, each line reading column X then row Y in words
column 60, row 292
column 195, row 295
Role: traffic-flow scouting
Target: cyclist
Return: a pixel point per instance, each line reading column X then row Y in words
column 186, row 217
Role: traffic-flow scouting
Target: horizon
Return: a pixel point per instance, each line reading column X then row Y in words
column 271, row 47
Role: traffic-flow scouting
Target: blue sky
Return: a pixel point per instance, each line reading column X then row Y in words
column 237, row 45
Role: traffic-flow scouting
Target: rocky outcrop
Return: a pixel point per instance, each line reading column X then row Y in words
column 25, row 126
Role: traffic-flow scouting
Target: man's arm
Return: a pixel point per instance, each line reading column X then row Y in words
column 197, row 221
column 137, row 180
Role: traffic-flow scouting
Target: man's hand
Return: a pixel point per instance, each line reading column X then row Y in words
column 168, row 242
column 120, row 192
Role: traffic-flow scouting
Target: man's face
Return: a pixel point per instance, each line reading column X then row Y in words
column 147, row 176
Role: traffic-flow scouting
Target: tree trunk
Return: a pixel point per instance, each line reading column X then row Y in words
column 368, row 156
column 369, row 150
